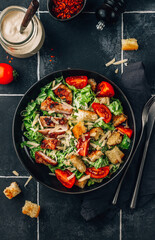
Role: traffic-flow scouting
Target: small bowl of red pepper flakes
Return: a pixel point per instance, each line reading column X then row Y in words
column 64, row 10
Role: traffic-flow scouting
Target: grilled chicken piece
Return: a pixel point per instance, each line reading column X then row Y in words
column 44, row 159
column 114, row 139
column 117, row 120
column 63, row 92
column 115, row 155
column 94, row 155
column 92, row 83
column 78, row 163
column 49, row 105
column 96, row 133
column 104, row 100
column 50, row 133
column 86, row 115
column 49, row 143
column 79, row 129
column 49, row 121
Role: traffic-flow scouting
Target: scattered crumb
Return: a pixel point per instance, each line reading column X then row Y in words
column 12, row 191
column 119, row 62
column 31, row 209
column 116, row 71
column 126, row 64
column 28, row 180
column 129, row 44
column 110, row 63
column 15, row 173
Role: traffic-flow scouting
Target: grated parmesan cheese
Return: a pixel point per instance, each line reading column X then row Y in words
column 101, row 118
column 35, row 120
column 116, row 71
column 84, row 178
column 56, row 86
column 110, row 63
column 28, row 180
column 33, row 144
column 71, row 176
column 40, row 124
column 51, row 174
column 120, row 62
column 15, row 173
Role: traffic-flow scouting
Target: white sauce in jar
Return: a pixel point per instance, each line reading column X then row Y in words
column 11, row 27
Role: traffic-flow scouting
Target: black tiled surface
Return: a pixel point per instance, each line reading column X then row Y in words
column 142, row 27
column 76, row 44
column 68, row 222
column 8, row 158
column 14, row 224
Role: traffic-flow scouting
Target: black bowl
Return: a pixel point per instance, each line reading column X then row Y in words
column 41, row 172
column 50, row 5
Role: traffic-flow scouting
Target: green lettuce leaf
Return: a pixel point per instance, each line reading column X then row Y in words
column 125, row 144
column 116, row 107
column 104, row 126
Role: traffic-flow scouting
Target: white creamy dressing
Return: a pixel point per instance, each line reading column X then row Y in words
column 11, row 27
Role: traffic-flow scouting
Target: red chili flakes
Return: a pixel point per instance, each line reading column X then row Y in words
column 65, row 9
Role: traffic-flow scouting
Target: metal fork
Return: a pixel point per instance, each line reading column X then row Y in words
column 144, row 121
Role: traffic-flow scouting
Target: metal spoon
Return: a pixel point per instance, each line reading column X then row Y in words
column 144, row 121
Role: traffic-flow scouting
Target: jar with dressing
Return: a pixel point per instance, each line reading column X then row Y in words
column 20, row 45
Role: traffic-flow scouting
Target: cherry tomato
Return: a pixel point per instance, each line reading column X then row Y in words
column 7, row 73
column 62, row 176
column 103, row 111
column 77, row 81
column 105, row 89
column 127, row 131
column 98, row 173
column 83, row 144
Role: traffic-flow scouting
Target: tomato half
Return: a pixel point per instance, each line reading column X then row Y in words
column 77, row 81
column 62, row 176
column 7, row 73
column 127, row 131
column 103, row 111
column 105, row 89
column 83, row 144
column 98, row 173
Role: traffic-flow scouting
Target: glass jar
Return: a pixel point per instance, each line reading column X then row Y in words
column 21, row 48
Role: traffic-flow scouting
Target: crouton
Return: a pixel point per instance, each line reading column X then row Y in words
column 117, row 120
column 96, row 133
column 31, row 209
column 87, row 115
column 129, row 44
column 94, row 155
column 82, row 183
column 78, row 163
column 115, row 155
column 92, row 83
column 114, row 139
column 104, row 100
column 79, row 129
column 12, row 191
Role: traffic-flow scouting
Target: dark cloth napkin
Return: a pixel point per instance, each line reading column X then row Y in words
column 135, row 87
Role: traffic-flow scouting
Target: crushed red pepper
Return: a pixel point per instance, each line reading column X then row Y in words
column 64, row 9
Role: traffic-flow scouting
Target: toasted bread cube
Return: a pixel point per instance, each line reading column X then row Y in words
column 12, row 191
column 129, row 44
column 81, row 184
column 31, row 209
column 86, row 115
column 79, row 129
column 78, row 163
column 115, row 155
column 96, row 133
column 94, row 155
column 114, row 139
column 117, row 120
column 92, row 83
column 104, row 100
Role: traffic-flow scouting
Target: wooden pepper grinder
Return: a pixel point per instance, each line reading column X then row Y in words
column 109, row 12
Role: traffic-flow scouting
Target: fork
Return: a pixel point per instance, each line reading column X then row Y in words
column 144, row 122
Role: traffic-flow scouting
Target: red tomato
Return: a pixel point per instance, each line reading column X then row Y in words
column 105, row 89
column 62, row 176
column 103, row 111
column 77, row 81
column 127, row 131
column 98, row 173
column 7, row 73
column 83, row 144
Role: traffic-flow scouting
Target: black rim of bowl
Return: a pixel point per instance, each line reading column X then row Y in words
column 67, row 19
column 119, row 170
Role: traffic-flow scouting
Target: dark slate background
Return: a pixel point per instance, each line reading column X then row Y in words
column 75, row 44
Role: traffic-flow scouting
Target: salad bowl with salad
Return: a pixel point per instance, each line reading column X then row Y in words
column 77, row 131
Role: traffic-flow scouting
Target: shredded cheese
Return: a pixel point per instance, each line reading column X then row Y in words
column 56, row 86
column 71, row 176
column 52, row 174
column 40, row 124
column 15, row 173
column 33, row 144
column 120, row 62
column 116, row 71
column 35, row 120
column 84, row 178
column 110, row 63
column 53, row 84
column 28, row 180
column 101, row 118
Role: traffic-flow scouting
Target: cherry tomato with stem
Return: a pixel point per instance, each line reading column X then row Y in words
column 7, row 73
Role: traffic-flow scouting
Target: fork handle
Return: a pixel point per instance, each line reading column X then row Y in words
column 136, row 190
